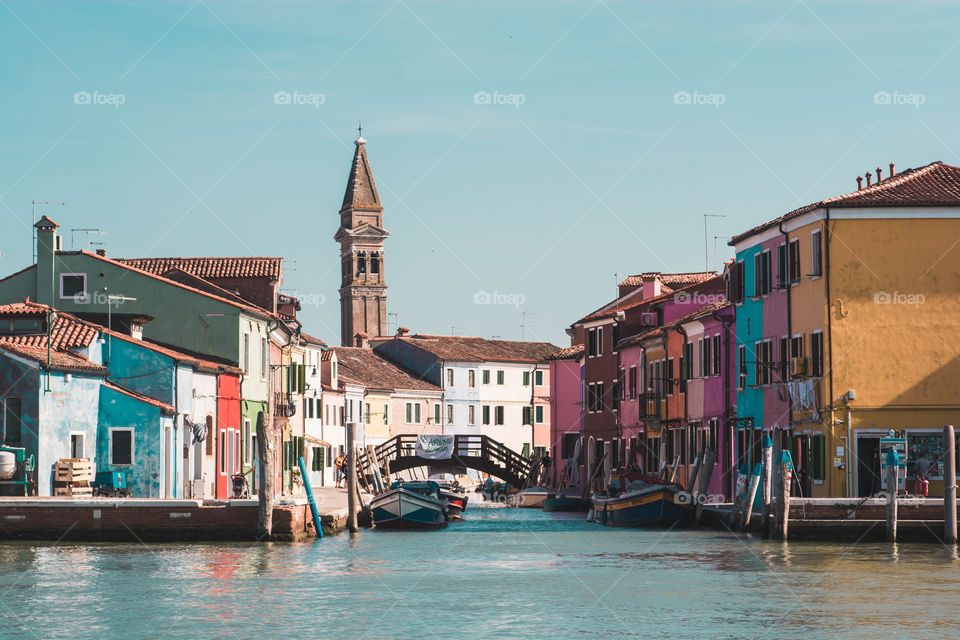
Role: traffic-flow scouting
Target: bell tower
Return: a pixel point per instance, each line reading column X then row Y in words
column 363, row 288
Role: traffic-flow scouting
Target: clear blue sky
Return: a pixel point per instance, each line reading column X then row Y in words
column 598, row 172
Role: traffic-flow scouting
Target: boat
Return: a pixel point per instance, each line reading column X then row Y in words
column 410, row 505
column 649, row 502
column 532, row 497
column 455, row 496
column 565, row 500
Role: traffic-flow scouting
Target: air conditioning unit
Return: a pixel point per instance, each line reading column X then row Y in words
column 798, row 367
column 648, row 319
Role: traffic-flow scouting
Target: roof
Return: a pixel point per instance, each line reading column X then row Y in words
column 60, row 360
column 669, row 279
column 163, row 406
column 610, row 309
column 365, row 367
column 700, row 313
column 466, row 349
column 242, row 267
column 934, row 185
column 312, row 340
column 573, row 352
column 67, row 332
column 361, row 190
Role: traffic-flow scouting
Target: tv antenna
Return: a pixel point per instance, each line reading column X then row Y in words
column 89, row 232
column 706, row 252
column 523, row 324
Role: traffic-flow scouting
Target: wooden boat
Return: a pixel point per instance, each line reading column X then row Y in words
column 532, row 497
column 410, row 505
column 565, row 501
column 455, row 496
column 657, row 504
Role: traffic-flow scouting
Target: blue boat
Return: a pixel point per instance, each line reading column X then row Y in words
column 653, row 505
column 410, row 505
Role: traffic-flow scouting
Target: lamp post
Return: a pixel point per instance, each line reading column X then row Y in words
column 110, row 300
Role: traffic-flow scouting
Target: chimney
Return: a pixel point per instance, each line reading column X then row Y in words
column 891, row 171
column 102, row 253
column 402, row 332
column 859, row 183
column 868, row 178
column 46, row 250
column 362, row 340
column 878, row 175
column 136, row 330
column 651, row 286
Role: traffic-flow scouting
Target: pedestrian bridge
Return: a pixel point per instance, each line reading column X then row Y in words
column 479, row 452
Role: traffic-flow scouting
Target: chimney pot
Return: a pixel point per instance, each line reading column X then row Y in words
column 859, row 183
column 402, row 331
column 868, row 178
column 102, row 252
column 878, row 175
column 891, row 170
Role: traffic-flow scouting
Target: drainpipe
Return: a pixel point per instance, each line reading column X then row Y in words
column 786, row 237
column 725, row 364
column 686, row 413
column 176, row 421
column 849, row 444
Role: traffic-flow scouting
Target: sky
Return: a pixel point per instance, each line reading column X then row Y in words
column 528, row 154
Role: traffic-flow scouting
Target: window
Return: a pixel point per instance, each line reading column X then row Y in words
column 816, row 254
column 615, row 395
column 13, row 421
column 500, row 377
column 816, row 353
column 471, row 415
column 796, row 346
column 264, row 358
column 600, row 405
column 759, row 370
column 539, row 414
column 386, row 414
column 761, row 273
column 245, row 365
column 670, row 377
column 591, row 342
column 794, row 259
column 716, row 355
column 361, row 264
column 706, row 359
column 316, row 460
column 73, row 286
column 449, row 377
column 449, row 414
column 614, row 337
column 121, row 446
column 366, row 417
column 341, row 416
column 591, row 397
column 526, row 378
column 735, row 282
column 248, row 441
column 498, row 415
column 538, row 378
column 782, row 266
column 471, row 378
column 485, row 414
column 416, row 412
column 568, row 443
column 632, row 382
column 409, row 414
column 436, row 414
column 741, row 367
column 818, row 457
column 599, row 341
column 374, row 264
column 701, row 368
column 527, row 416
column 333, row 369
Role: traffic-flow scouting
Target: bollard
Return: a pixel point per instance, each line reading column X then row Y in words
column 767, row 485
column 782, row 503
column 265, row 488
column 949, row 486
column 751, row 497
column 313, row 503
column 893, row 461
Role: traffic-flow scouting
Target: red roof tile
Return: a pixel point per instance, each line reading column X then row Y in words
column 608, row 311
column 669, row 279
column 934, row 185
column 61, row 360
column 68, row 332
column 573, row 352
column 253, row 267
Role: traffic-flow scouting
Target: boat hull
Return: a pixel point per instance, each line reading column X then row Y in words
column 531, row 499
column 563, row 504
column 656, row 506
column 404, row 509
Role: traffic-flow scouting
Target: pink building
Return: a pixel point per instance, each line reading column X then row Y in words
column 566, row 411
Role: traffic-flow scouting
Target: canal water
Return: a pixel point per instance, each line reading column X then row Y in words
column 502, row 573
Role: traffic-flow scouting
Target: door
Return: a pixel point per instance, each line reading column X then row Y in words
column 222, row 463
column 76, row 445
column 168, row 454
column 868, row 465
column 231, row 455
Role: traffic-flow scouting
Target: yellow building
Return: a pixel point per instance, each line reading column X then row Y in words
column 873, row 336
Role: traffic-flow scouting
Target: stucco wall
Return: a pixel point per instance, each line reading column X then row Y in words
column 145, row 477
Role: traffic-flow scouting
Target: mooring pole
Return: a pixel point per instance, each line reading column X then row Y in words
column 767, row 485
column 313, row 503
column 709, row 460
column 949, row 486
column 893, row 462
column 782, row 503
column 265, row 484
column 751, row 497
column 351, row 478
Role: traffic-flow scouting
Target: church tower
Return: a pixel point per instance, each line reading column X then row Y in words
column 363, row 289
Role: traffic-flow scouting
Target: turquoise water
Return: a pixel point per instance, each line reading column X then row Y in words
column 502, row 573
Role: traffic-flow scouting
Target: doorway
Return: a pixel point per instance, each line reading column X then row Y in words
column 868, row 465
column 76, row 445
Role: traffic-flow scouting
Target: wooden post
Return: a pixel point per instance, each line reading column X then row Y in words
column 949, row 486
column 375, row 467
column 893, row 462
column 692, row 482
column 751, row 497
column 782, row 503
column 265, row 489
column 767, row 485
column 386, row 468
column 739, row 489
column 351, row 478
column 706, row 471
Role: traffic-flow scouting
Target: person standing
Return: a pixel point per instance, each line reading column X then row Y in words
column 338, row 466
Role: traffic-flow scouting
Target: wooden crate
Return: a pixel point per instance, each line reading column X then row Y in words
column 69, row 491
column 73, row 470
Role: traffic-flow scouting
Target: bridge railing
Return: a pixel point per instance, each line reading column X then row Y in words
column 480, row 447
